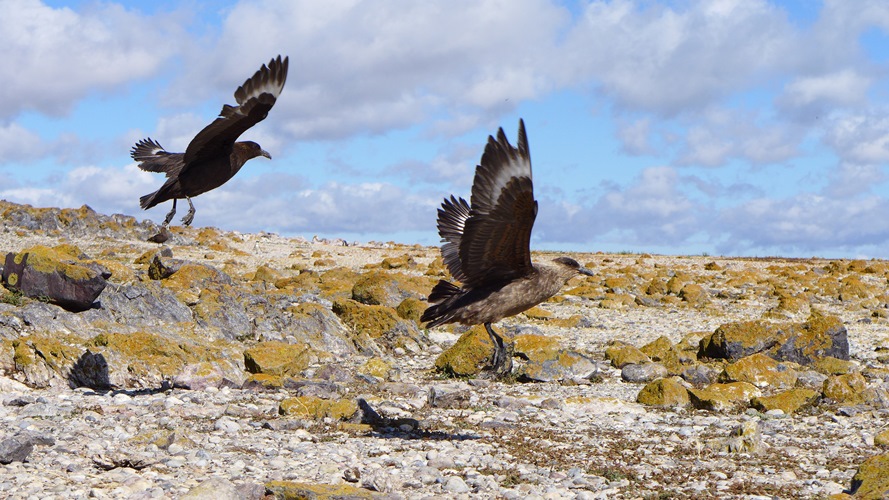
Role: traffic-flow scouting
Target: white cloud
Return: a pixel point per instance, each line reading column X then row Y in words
column 718, row 135
column 841, row 87
column 635, row 136
column 860, row 138
column 850, row 180
column 665, row 61
column 807, row 98
column 284, row 203
column 653, row 210
column 804, row 224
column 18, row 144
column 53, row 57
column 369, row 67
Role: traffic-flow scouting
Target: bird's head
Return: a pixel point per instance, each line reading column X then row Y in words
column 252, row 150
column 569, row 267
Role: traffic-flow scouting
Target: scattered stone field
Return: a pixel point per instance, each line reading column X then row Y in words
column 220, row 365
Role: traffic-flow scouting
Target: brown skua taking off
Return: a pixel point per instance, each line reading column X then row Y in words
column 213, row 157
column 487, row 249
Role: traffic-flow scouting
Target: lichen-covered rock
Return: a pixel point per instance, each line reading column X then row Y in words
column 871, row 481
column 161, row 267
column 565, row 365
column 411, row 309
column 44, row 361
column 882, row 438
column 537, row 312
column 137, row 359
column 789, row 401
column 61, row 275
column 657, row 349
column 378, row 326
column 266, row 274
column 694, row 294
column 74, row 222
column 801, row 343
column 337, row 283
column 761, row 371
column 621, row 354
column 279, row 358
column 847, row 389
column 821, row 335
column 536, row 347
column 263, row 381
column 468, row 355
column 142, row 305
column 829, row 365
column 722, row 397
column 664, row 392
column 313, row 324
column 739, row 339
column 290, row 490
column 745, row 438
column 401, row 262
column 376, row 367
column 790, row 302
column 317, row 408
column 388, row 288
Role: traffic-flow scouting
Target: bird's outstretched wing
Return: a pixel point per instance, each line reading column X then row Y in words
column 494, row 243
column 255, row 98
column 452, row 218
column 152, row 158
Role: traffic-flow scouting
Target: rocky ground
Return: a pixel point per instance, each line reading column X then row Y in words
column 224, row 365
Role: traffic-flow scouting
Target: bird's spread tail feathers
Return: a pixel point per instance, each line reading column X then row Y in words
column 442, row 291
column 441, row 297
column 147, row 201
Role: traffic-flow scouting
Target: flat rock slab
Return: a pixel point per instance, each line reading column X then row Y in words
column 60, row 275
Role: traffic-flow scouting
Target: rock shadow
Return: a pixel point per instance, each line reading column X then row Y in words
column 91, row 371
column 403, row 428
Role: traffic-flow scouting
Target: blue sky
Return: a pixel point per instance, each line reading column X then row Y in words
column 731, row 127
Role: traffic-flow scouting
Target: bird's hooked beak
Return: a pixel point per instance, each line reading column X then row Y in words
column 265, row 153
column 583, row 270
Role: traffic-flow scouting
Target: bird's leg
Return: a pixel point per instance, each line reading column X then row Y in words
column 190, row 215
column 170, row 215
column 501, row 359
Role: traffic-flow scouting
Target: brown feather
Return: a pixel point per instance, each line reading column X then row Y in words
column 495, row 244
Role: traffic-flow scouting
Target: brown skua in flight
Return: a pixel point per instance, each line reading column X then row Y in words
column 213, row 156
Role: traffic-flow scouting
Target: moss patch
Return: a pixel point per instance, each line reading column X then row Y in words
column 278, row 358
column 468, row 355
column 146, row 353
column 536, row 347
column 317, row 408
column 788, row 401
column 290, row 490
column 663, row 392
column 761, row 371
column 846, row 389
column 872, row 479
column 621, row 354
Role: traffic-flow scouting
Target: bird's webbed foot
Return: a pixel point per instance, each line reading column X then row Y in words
column 190, row 215
column 170, row 215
